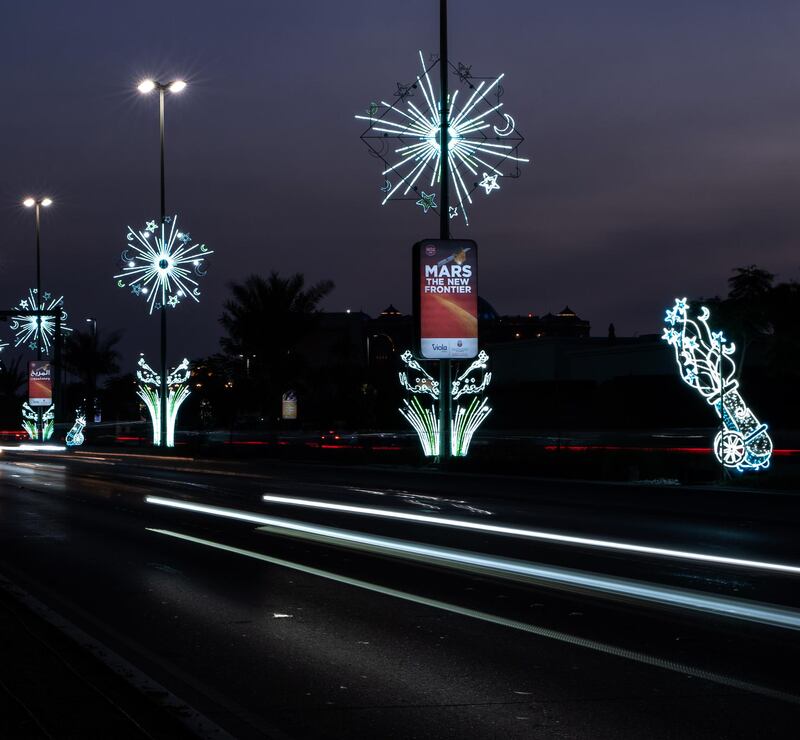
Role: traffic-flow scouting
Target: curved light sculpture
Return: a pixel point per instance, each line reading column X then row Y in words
column 705, row 362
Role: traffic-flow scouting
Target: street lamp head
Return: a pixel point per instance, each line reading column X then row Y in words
column 29, row 202
column 177, row 86
column 46, row 202
column 146, row 86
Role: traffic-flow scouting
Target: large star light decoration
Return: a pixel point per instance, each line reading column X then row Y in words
column 483, row 139
column 160, row 264
column 26, row 328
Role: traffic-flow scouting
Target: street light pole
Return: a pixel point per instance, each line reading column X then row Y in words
column 444, row 220
column 90, row 405
column 36, row 204
column 164, row 388
column 145, row 87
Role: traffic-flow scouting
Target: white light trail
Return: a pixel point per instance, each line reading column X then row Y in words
column 536, row 534
column 533, row 629
column 542, row 575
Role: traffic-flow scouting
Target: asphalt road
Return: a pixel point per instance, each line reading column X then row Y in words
column 610, row 612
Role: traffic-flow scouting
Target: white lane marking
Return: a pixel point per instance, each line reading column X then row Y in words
column 546, row 575
column 492, row 619
column 535, row 534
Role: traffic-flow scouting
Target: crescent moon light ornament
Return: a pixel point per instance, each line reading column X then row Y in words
column 508, row 128
column 387, row 186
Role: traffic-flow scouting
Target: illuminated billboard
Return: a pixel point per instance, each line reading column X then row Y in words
column 40, row 383
column 445, row 284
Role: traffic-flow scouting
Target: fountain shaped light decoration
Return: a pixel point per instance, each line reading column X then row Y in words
column 471, row 412
column 705, row 362
column 470, row 406
column 30, row 419
column 421, row 410
column 149, row 390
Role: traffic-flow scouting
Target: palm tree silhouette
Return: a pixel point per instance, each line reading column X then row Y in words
column 90, row 355
column 264, row 319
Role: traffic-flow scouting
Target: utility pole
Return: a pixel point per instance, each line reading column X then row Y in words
column 444, row 220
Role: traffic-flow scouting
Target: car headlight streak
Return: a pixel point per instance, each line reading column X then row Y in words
column 481, row 564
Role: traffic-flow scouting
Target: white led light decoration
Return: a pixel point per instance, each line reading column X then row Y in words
column 705, row 362
column 160, row 264
column 75, row 436
column 482, row 138
column 468, row 415
column 26, row 328
column 467, row 418
column 30, row 418
column 149, row 390
column 423, row 417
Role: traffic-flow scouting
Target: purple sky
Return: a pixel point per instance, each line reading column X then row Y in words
column 664, row 138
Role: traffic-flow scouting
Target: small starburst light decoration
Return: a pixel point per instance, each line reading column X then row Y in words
column 26, row 328
column 162, row 263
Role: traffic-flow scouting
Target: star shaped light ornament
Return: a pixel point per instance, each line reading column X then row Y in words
column 161, row 264
column 489, row 183
column 482, row 138
column 427, row 201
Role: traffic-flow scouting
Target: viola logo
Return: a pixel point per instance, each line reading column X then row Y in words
column 439, row 347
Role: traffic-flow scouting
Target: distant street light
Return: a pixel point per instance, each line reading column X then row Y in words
column 145, row 87
column 37, row 203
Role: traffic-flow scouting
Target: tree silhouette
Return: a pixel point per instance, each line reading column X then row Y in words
column 13, row 376
column 264, row 320
column 90, row 355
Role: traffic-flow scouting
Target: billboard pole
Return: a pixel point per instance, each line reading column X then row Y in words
column 444, row 223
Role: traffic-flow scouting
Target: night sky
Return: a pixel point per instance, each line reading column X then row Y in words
column 664, row 138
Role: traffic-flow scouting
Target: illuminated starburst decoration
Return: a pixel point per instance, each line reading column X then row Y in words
column 483, row 139
column 705, row 362
column 26, row 328
column 161, row 264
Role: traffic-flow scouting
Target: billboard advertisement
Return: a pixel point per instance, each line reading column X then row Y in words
column 445, row 284
column 40, row 383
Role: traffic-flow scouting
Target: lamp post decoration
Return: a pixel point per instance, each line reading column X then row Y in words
column 75, row 437
column 31, row 422
column 421, row 414
column 149, row 390
column 162, row 274
column 160, row 265
column 420, row 409
column 483, row 140
column 38, row 332
column 705, row 362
